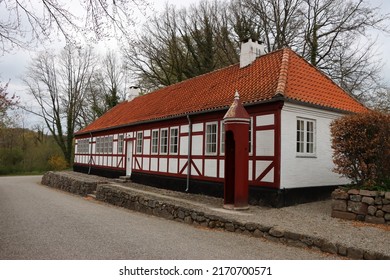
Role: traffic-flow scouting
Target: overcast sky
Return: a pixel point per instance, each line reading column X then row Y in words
column 12, row 66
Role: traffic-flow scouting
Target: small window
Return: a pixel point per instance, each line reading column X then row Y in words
column 155, row 142
column 110, row 143
column 106, row 144
column 139, row 142
column 174, row 140
column 120, row 143
column 83, row 146
column 211, row 139
column 164, row 141
column 305, row 145
column 222, row 146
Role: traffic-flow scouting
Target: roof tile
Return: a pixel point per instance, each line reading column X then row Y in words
column 280, row 72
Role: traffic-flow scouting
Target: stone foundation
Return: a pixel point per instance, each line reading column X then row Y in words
column 362, row 205
column 70, row 182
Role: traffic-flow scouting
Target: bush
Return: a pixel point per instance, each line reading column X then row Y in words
column 361, row 148
column 57, row 163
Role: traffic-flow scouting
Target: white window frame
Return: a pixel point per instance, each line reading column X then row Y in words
column 207, row 138
column 155, row 146
column 139, row 142
column 174, row 146
column 164, row 144
column 222, row 138
column 305, row 141
column 110, row 144
column 121, row 140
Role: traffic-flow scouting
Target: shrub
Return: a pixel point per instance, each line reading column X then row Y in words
column 361, row 148
column 57, row 163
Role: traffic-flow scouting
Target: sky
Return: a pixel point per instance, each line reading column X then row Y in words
column 12, row 66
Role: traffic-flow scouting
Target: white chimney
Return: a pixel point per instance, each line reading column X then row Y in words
column 134, row 91
column 250, row 50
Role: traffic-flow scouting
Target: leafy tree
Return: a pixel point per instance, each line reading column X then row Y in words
column 361, row 145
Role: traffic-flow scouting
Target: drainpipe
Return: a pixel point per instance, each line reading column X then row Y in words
column 189, row 152
column 90, row 158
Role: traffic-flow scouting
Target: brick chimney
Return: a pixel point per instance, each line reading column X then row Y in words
column 250, row 50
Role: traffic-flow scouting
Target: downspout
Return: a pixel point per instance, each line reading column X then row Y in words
column 90, row 158
column 189, row 152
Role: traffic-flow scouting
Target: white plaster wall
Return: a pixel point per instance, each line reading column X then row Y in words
column 153, row 164
column 145, row 164
column 265, row 120
column 147, row 133
column 199, row 164
column 197, row 145
column 197, row 127
column 222, row 168
column 163, row 166
column 184, row 145
column 182, row 162
column 173, row 165
column 184, row 128
column 265, row 142
column 146, row 147
column 210, row 168
column 299, row 172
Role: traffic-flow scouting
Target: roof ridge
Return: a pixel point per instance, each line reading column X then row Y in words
column 282, row 81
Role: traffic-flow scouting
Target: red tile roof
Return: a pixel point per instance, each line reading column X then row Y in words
column 282, row 72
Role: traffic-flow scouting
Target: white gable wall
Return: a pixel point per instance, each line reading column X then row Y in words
column 298, row 171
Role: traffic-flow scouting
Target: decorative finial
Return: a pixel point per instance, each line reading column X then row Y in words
column 236, row 95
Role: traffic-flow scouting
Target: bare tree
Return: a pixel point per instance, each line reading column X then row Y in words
column 276, row 22
column 105, row 89
column 25, row 21
column 58, row 84
column 181, row 44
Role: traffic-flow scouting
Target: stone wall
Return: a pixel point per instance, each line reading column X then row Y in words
column 71, row 182
column 361, row 205
column 126, row 198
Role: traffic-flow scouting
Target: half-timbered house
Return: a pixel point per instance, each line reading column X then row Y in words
column 174, row 137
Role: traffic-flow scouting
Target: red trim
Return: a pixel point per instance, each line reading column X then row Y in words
column 265, row 172
column 196, row 168
column 184, row 167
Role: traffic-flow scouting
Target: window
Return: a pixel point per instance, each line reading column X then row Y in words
column 120, row 143
column 155, row 142
column 83, row 146
column 164, row 141
column 105, row 141
column 222, row 146
column 211, row 138
column 139, row 142
column 173, row 144
column 110, row 142
column 305, row 137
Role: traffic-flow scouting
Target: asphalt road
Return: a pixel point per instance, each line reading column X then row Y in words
column 37, row 222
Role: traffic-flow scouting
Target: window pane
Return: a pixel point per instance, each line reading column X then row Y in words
column 155, row 142
column 211, row 138
column 174, row 140
column 164, row 141
column 139, row 142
